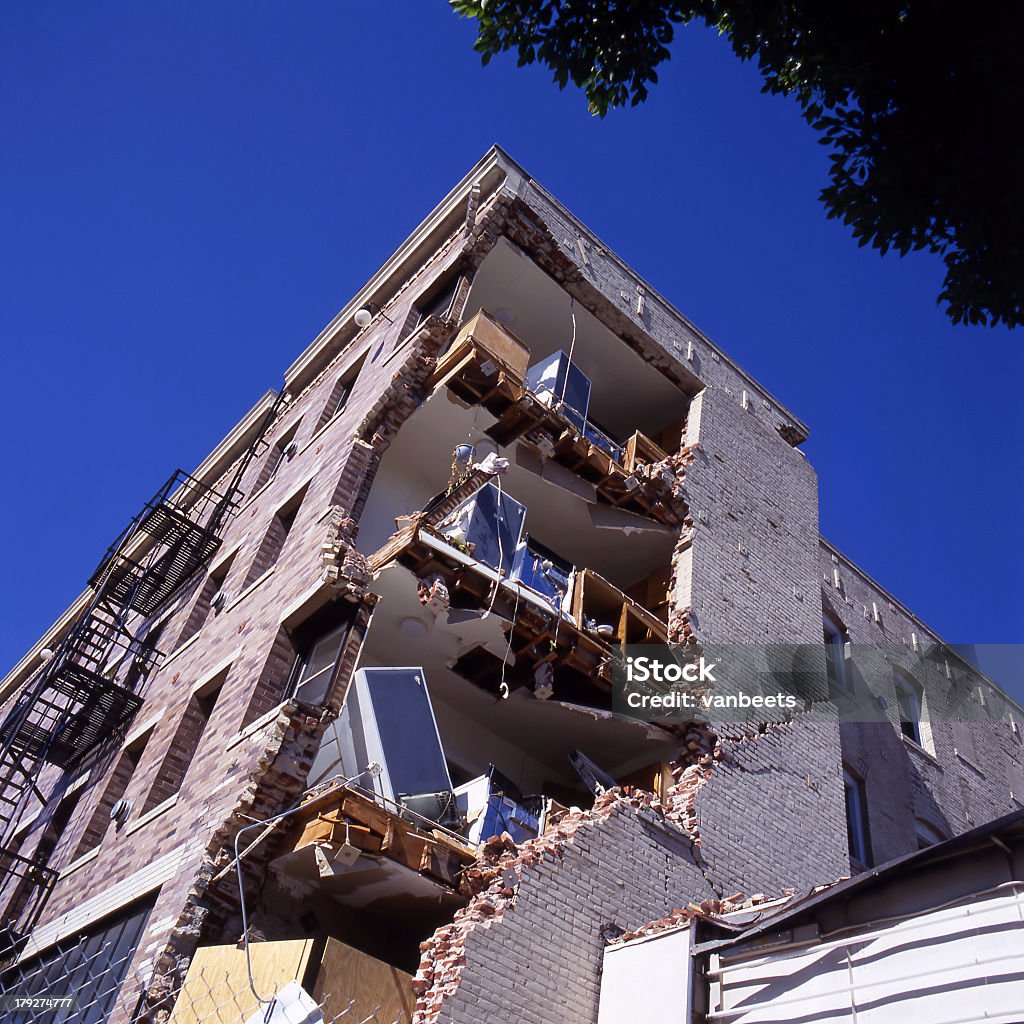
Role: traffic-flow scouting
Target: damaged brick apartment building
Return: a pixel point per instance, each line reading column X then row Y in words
column 391, row 597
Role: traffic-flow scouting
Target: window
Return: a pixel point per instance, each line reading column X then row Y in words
column 22, row 890
column 277, row 454
column 213, row 585
column 185, row 743
column 140, row 665
column 926, row 834
column 125, row 768
column 319, row 643
column 315, row 667
column 339, row 396
column 835, row 653
column 437, row 300
column 964, row 745
column 273, row 541
column 272, row 683
column 56, row 827
column 909, row 699
column 1015, row 780
column 857, row 818
column 92, row 965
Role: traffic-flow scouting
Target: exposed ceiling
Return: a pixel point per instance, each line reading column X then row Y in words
column 628, row 393
column 546, row 730
column 417, row 464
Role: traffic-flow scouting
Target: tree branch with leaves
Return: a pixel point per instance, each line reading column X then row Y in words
column 920, row 104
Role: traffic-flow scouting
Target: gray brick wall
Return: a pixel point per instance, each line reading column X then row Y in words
column 750, row 573
column 771, row 816
column 540, row 962
column 958, row 776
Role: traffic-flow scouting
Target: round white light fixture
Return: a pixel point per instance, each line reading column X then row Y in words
column 412, row 627
column 363, row 317
column 45, row 654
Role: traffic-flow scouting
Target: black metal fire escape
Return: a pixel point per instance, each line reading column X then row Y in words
column 89, row 686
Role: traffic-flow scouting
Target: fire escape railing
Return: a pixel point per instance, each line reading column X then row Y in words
column 88, row 687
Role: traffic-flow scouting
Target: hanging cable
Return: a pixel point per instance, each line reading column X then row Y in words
column 371, row 769
column 503, row 686
column 501, row 551
column 572, row 349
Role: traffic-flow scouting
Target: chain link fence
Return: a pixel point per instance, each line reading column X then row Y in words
column 91, row 983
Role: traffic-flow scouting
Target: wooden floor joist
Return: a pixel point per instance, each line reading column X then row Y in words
column 343, row 815
column 477, row 376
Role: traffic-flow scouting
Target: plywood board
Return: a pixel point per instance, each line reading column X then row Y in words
column 217, row 984
column 347, row 974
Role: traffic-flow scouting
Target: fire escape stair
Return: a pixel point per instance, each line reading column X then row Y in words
column 77, row 699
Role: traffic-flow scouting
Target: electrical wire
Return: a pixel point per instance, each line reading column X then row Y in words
column 241, row 884
column 501, row 552
column 503, row 687
column 572, row 349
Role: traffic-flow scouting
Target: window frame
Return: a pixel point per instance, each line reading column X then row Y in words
column 857, row 828
column 305, row 658
column 340, row 394
column 835, row 640
column 910, row 706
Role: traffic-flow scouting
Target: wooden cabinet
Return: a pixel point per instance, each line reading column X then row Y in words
column 596, row 601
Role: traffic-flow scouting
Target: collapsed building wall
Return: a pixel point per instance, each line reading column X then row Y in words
column 762, row 811
column 528, row 946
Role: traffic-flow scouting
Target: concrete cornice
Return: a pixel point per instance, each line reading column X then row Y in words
column 489, row 173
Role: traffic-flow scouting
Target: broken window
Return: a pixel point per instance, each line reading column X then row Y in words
column 314, row 668
column 436, row 301
column 857, row 818
column 315, row 647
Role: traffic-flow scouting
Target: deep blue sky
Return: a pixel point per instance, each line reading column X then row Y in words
column 191, row 191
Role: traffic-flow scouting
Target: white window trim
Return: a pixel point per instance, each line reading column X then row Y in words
column 153, row 812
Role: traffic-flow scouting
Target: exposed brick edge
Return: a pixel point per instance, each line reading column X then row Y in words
column 277, row 780
column 491, row 885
